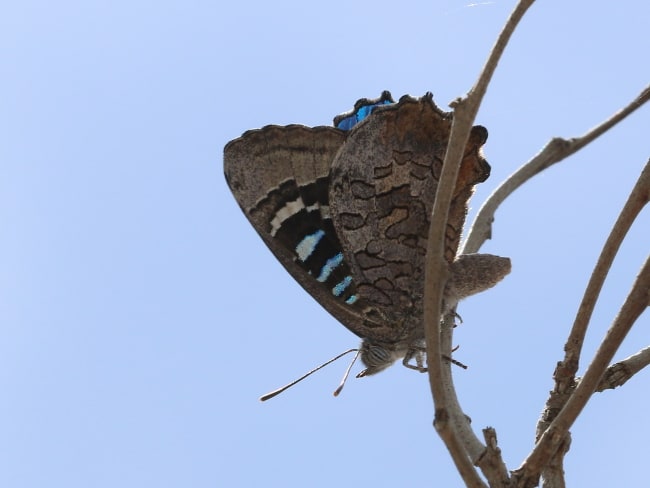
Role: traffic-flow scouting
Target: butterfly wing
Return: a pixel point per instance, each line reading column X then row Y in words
column 383, row 185
column 280, row 178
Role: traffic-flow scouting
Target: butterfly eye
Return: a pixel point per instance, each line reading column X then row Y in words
column 377, row 355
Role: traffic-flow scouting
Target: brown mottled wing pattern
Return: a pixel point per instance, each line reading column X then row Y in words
column 382, row 189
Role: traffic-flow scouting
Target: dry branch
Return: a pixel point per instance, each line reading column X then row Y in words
column 552, row 438
column 567, row 402
column 450, row 422
column 569, row 398
column 555, row 151
column 638, row 198
column 618, row 373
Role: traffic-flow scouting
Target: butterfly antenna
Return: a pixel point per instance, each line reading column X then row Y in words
column 347, row 372
column 270, row 395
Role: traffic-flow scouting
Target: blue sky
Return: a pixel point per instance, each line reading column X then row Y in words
column 140, row 315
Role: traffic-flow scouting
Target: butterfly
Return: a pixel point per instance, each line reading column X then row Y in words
column 346, row 210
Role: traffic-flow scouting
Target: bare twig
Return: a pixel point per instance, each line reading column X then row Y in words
column 553, row 474
column 566, row 369
column 618, row 373
column 444, row 426
column 548, row 444
column 638, row 198
column 491, row 462
column 450, row 422
column 449, row 418
column 549, row 453
column 555, row 151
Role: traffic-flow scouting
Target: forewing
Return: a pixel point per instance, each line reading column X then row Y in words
column 280, row 178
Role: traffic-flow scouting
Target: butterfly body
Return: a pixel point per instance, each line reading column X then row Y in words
column 346, row 210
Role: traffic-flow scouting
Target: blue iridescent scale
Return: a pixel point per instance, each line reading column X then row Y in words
column 363, row 109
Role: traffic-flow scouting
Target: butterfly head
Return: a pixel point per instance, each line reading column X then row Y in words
column 379, row 356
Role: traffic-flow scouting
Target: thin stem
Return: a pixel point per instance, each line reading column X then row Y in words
column 566, row 369
column 450, row 421
column 637, row 200
column 619, row 373
column 635, row 303
column 555, row 151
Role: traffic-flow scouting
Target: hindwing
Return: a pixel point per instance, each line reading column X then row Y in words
column 382, row 188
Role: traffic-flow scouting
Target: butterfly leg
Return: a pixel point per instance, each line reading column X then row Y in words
column 417, row 353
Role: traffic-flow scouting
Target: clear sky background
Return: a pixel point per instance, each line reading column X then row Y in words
column 140, row 315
